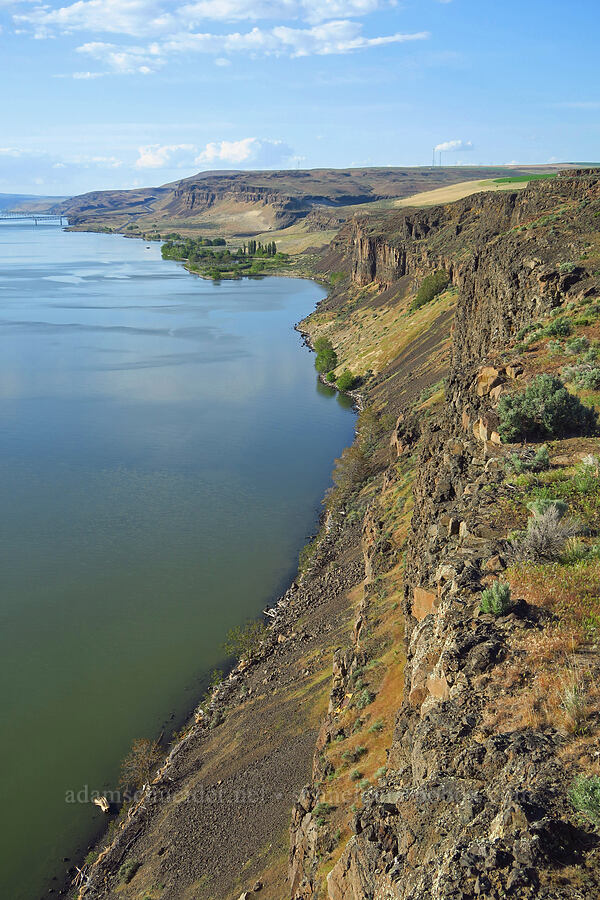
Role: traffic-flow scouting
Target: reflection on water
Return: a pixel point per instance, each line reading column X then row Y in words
column 160, row 435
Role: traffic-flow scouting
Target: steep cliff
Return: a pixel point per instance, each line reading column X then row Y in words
column 475, row 799
column 438, row 742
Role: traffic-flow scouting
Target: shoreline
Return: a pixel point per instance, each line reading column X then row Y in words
column 274, row 616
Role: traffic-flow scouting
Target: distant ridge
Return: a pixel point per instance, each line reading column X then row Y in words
column 244, row 203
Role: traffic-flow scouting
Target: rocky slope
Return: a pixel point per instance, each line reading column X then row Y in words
column 421, row 747
column 474, row 798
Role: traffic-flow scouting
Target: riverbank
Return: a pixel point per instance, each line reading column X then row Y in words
column 244, row 757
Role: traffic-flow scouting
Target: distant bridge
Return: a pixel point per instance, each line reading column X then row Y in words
column 36, row 218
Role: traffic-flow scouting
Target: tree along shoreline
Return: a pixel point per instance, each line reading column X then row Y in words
column 211, row 257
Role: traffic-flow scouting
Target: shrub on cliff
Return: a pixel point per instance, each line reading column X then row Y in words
column 585, row 797
column 559, row 327
column 431, row 286
column 243, row 640
column 140, row 763
column 128, row 870
column 544, row 410
column 346, row 381
column 539, row 462
column 350, row 470
column 495, row 599
column 547, row 533
column 326, row 358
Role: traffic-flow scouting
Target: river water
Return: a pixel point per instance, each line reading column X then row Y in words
column 164, row 445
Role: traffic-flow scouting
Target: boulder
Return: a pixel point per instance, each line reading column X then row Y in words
column 424, row 603
column 487, row 379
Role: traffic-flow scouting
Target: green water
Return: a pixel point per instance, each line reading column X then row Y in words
column 164, row 446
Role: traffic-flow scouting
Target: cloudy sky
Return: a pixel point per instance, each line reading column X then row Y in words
column 122, row 93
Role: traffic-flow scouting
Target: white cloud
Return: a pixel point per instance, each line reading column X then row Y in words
column 124, row 60
column 309, row 10
column 162, row 30
column 451, row 146
column 222, row 61
column 320, row 40
column 141, row 18
column 156, row 156
column 132, row 17
column 248, row 151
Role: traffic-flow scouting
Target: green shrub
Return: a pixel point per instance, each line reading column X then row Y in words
column 431, row 286
column 352, row 756
column 243, row 640
column 326, row 358
column 585, row 797
column 577, row 345
column 522, row 332
column 364, row 698
column 346, row 381
column 575, row 550
column 323, row 809
column 140, row 764
column 585, row 374
column 331, row 376
column 544, row 410
column 496, row 599
column 539, row 462
column 541, row 506
column 355, row 775
column 350, row 471
column 560, row 327
column 128, row 870
column 554, row 347
column 376, row 727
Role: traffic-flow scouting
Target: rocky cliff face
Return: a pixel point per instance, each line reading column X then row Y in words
column 466, row 808
column 199, row 197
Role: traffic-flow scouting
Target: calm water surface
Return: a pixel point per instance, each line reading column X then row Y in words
column 163, row 449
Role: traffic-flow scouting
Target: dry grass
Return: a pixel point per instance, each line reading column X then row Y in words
column 456, row 192
column 369, row 338
column 570, row 593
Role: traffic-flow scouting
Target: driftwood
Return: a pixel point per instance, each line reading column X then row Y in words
column 103, row 803
column 81, row 878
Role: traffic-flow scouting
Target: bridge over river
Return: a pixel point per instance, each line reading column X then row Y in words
column 36, row 218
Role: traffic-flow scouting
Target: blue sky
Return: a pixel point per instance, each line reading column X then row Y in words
column 122, row 93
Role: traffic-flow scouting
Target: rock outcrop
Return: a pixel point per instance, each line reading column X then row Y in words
column 465, row 810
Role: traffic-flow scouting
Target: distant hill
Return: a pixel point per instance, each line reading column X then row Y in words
column 27, row 202
column 245, row 203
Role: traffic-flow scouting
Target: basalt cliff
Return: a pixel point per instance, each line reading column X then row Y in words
column 248, row 203
column 422, row 741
